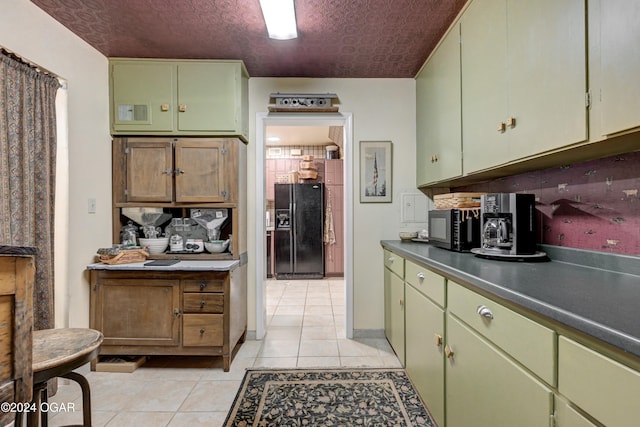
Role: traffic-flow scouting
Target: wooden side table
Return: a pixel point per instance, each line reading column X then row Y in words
column 56, row 353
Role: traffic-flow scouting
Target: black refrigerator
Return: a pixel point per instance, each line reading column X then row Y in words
column 299, row 248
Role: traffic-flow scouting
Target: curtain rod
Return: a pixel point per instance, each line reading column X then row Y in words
column 30, row 64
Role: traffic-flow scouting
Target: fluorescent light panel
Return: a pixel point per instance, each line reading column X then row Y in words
column 280, row 17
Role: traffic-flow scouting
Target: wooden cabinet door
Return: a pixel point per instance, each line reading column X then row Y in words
column 424, row 334
column 334, row 253
column 547, row 74
column 438, row 104
column 200, row 171
column 394, row 313
column 620, row 65
column 149, row 167
column 137, row 312
column 484, row 84
column 270, row 179
column 142, row 96
column 208, row 99
column 484, row 388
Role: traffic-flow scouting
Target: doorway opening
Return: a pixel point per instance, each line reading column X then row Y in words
column 265, row 121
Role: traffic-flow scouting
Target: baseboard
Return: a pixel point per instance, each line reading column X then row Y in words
column 368, row 333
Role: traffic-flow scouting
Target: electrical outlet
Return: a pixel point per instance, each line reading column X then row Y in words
column 91, row 205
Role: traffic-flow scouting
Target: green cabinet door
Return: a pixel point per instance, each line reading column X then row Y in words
column 547, row 75
column 142, row 96
column 208, row 96
column 620, row 65
column 438, row 109
column 394, row 312
column 484, row 388
column 523, row 79
column 567, row 416
column 604, row 388
column 424, row 333
column 484, row 84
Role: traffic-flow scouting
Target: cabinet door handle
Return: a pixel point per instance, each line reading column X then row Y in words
column 179, row 171
column 182, row 108
column 401, row 302
column 203, row 285
column 391, row 259
column 448, row 350
column 167, row 172
column 511, row 122
column 202, row 331
column 176, row 312
column 420, row 276
column 502, row 127
column 438, row 339
column 202, row 303
column 485, row 312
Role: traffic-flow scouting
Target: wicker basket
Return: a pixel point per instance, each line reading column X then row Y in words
column 125, row 256
column 457, row 200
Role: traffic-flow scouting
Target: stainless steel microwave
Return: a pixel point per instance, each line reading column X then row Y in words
column 454, row 229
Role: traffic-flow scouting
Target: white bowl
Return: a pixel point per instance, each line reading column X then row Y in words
column 408, row 235
column 154, row 246
column 216, row 246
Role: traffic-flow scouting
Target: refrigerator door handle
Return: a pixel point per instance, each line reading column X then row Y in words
column 294, row 232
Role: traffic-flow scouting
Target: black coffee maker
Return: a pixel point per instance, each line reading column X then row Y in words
column 508, row 224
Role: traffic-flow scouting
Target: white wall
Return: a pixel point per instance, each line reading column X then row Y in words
column 28, row 31
column 383, row 109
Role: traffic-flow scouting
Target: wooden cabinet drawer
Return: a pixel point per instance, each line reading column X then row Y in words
column 602, row 387
column 203, row 303
column 203, row 330
column 394, row 263
column 426, row 282
column 530, row 343
column 214, row 284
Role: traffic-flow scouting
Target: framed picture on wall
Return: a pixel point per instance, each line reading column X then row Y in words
column 375, row 171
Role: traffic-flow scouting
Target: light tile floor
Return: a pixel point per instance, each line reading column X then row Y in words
column 305, row 328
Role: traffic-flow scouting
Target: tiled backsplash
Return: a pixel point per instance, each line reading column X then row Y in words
column 592, row 205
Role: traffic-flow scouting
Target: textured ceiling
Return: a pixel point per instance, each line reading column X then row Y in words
column 336, row 38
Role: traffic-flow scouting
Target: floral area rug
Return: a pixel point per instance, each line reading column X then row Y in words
column 354, row 397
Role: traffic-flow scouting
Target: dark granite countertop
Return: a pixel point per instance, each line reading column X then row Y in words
column 596, row 294
column 18, row 250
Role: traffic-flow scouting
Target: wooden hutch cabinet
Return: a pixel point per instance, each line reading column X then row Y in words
column 191, row 308
column 179, row 147
column 17, row 275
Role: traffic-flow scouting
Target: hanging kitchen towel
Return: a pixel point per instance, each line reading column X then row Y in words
column 329, row 232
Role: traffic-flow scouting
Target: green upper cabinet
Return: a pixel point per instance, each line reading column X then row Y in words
column 142, row 96
column 438, row 126
column 616, row 88
column 164, row 97
column 484, row 90
column 523, row 79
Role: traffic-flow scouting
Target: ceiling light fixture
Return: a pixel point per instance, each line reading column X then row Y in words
column 280, row 17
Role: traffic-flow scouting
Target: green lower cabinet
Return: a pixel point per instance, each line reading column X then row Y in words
column 484, row 388
column 424, row 332
column 394, row 312
column 603, row 388
column 567, row 416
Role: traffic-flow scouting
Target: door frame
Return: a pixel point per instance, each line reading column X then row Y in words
column 303, row 119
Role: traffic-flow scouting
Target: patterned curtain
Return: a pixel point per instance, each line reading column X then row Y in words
column 27, row 171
